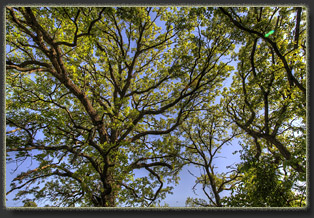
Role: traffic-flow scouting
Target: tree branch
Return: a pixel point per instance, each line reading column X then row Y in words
column 292, row 80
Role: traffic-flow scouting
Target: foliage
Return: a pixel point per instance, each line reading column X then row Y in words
column 112, row 102
column 87, row 86
column 30, row 204
column 267, row 102
column 266, row 107
column 265, row 183
column 269, row 90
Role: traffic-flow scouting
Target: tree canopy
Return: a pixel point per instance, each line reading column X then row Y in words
column 97, row 94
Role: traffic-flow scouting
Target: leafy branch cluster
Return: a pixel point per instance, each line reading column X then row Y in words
column 95, row 95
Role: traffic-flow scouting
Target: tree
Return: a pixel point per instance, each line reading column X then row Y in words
column 264, row 107
column 264, row 183
column 88, row 87
column 267, row 101
column 271, row 106
column 95, row 95
column 205, row 135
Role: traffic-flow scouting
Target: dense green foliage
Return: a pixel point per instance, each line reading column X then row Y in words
column 113, row 102
column 30, row 204
column 266, row 106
